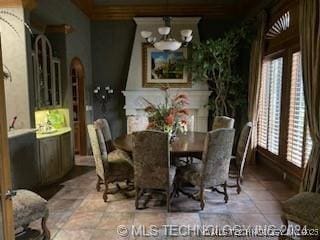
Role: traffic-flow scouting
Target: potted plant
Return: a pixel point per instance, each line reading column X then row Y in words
column 169, row 116
column 214, row 62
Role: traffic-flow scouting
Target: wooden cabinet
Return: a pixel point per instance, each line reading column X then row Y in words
column 46, row 74
column 66, row 153
column 56, row 158
column 50, row 163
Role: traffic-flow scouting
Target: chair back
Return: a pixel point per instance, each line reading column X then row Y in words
column 216, row 156
column 151, row 159
column 222, row 122
column 99, row 150
column 105, row 128
column 243, row 146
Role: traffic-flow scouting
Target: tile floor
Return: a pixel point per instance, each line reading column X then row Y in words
column 77, row 211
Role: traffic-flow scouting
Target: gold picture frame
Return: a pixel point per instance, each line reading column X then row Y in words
column 163, row 68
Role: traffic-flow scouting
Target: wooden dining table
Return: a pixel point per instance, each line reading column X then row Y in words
column 189, row 144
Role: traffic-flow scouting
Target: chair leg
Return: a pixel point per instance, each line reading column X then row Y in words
column 137, row 197
column 285, row 223
column 226, row 197
column 46, row 232
column 98, row 184
column 168, row 201
column 238, row 185
column 105, row 193
column 202, row 198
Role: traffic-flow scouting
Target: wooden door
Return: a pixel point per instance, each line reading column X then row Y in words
column 79, row 110
column 6, row 213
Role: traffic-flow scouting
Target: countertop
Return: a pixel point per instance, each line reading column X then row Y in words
column 59, row 132
column 19, row 132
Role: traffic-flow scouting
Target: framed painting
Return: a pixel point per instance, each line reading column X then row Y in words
column 164, row 68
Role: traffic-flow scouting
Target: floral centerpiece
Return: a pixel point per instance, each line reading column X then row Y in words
column 170, row 116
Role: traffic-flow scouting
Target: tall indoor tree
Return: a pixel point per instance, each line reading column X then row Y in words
column 214, row 62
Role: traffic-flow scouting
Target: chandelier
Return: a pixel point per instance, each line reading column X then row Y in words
column 167, row 42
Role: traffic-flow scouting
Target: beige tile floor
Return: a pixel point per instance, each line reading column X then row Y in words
column 77, row 211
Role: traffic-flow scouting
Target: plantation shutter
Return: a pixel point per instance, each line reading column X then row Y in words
column 263, row 111
column 269, row 120
column 299, row 141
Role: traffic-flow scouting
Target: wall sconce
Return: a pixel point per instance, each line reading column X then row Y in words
column 103, row 94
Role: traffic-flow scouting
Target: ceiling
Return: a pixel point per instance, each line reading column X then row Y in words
column 155, row 2
column 127, row 9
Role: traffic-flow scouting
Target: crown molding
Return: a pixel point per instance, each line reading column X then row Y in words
column 26, row 4
column 63, row 28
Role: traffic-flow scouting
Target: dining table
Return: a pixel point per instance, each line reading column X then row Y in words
column 189, row 144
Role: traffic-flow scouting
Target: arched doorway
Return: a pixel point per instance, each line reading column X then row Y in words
column 78, row 105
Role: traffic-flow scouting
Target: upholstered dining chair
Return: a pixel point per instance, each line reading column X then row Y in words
column 303, row 209
column 105, row 128
column 212, row 171
column 29, row 207
column 238, row 161
column 113, row 153
column 222, row 122
column 152, row 170
column 108, row 170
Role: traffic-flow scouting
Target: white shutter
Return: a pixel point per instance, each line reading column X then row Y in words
column 263, row 108
column 275, row 74
column 270, row 105
column 299, row 146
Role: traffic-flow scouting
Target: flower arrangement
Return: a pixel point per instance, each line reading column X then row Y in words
column 169, row 116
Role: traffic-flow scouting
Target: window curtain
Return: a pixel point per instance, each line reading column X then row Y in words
column 310, row 50
column 255, row 82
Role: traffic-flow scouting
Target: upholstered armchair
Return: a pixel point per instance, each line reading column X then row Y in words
column 222, row 122
column 303, row 209
column 152, row 170
column 212, row 171
column 29, row 207
column 108, row 170
column 238, row 161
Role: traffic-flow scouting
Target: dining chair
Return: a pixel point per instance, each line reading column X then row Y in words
column 105, row 128
column 212, row 171
column 113, row 152
column 108, row 170
column 222, row 122
column 238, row 161
column 152, row 170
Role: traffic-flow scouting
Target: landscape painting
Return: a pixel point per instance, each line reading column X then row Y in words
column 164, row 68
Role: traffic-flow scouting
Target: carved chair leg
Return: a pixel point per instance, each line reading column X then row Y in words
column 46, row 232
column 201, row 198
column 238, row 185
column 105, row 193
column 168, row 201
column 98, row 184
column 137, row 197
column 285, row 222
column 226, row 197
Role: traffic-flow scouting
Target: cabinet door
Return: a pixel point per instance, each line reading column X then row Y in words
column 44, row 72
column 50, row 159
column 57, row 80
column 66, row 153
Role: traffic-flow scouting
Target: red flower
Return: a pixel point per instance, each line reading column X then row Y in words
column 169, row 119
column 183, row 112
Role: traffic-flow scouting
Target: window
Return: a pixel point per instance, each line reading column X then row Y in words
column 270, row 102
column 299, row 141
